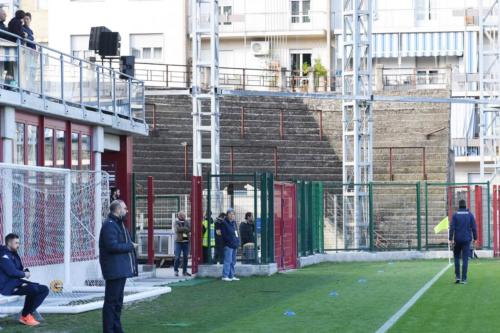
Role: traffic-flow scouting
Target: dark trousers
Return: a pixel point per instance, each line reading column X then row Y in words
column 181, row 248
column 35, row 295
column 206, row 253
column 219, row 254
column 113, row 303
column 461, row 249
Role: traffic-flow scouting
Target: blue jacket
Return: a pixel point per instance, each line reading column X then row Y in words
column 230, row 235
column 30, row 36
column 117, row 254
column 11, row 271
column 463, row 226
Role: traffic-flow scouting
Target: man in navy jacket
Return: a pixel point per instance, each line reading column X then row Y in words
column 12, row 275
column 462, row 230
column 118, row 262
column 231, row 240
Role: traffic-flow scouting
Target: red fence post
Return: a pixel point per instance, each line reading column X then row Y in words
column 479, row 215
column 320, row 125
column 495, row 221
column 282, row 132
column 196, row 222
column 151, row 250
column 242, row 123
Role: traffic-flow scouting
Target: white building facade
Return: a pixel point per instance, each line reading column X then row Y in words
column 152, row 30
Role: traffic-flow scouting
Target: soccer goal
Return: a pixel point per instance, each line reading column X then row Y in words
column 57, row 214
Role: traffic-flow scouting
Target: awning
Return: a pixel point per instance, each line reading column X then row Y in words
column 8, row 53
column 426, row 44
column 415, row 44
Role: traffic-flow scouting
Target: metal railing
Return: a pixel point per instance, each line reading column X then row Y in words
column 158, row 75
column 58, row 77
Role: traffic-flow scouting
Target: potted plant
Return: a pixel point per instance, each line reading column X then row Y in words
column 320, row 75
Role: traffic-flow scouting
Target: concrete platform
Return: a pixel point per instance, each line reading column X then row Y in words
column 215, row 271
column 381, row 256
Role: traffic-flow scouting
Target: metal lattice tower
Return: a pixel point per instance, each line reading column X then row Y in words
column 357, row 117
column 205, row 95
column 489, row 86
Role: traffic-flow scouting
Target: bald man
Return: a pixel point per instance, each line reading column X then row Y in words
column 3, row 17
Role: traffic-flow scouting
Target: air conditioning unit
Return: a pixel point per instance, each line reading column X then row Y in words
column 260, row 48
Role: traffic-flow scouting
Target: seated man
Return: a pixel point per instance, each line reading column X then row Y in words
column 12, row 273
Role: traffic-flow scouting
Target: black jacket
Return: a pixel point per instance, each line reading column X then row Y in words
column 219, row 242
column 11, row 271
column 117, row 254
column 247, row 232
column 16, row 27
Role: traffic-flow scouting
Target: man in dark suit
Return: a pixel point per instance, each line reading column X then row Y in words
column 118, row 262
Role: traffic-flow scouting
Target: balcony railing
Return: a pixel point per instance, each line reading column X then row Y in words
column 157, row 75
column 269, row 23
column 56, row 77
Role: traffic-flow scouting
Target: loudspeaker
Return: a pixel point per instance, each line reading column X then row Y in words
column 109, row 44
column 127, row 66
column 95, row 33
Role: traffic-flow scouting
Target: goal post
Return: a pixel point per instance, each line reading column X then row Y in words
column 57, row 214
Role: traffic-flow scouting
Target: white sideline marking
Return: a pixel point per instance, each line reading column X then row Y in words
column 388, row 324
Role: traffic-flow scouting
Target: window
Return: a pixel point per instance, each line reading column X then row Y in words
column 81, row 148
column 75, row 151
column 147, row 46
column 43, row 4
column 49, row 147
column 425, row 10
column 80, row 47
column 60, row 148
column 32, row 145
column 85, row 152
column 19, row 143
column 225, row 13
column 300, row 11
column 299, row 61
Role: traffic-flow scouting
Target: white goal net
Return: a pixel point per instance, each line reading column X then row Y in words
column 57, row 214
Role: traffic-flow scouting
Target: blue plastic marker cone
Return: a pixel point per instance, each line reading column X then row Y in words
column 362, row 280
column 333, row 294
column 289, row 313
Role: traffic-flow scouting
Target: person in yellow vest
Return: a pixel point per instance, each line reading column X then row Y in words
column 207, row 227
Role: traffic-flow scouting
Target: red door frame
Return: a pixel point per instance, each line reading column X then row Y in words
column 285, row 225
column 478, row 207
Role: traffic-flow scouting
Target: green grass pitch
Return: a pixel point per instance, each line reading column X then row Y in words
column 344, row 297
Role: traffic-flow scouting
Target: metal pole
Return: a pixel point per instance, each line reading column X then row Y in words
column 151, row 250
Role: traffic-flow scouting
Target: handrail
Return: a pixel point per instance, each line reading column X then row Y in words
column 55, row 76
column 62, row 53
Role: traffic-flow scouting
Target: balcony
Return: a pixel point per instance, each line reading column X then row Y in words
column 53, row 83
column 261, row 24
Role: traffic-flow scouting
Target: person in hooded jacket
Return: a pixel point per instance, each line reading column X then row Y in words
column 13, row 281
column 462, row 230
column 118, row 262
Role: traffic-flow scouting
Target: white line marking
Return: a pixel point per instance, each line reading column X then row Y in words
column 388, row 324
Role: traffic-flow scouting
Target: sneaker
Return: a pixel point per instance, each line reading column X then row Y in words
column 28, row 320
column 235, row 279
column 226, row 279
column 457, row 281
column 186, row 274
column 176, row 274
column 463, row 282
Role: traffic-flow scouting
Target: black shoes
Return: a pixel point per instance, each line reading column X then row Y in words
column 186, row 274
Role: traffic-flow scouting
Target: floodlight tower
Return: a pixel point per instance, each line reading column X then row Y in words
column 357, row 119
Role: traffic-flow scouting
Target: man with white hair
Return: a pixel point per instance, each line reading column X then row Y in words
column 182, row 228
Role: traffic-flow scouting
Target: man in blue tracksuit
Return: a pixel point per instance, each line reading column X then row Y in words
column 13, row 281
column 118, row 262
column 462, row 230
column 231, row 240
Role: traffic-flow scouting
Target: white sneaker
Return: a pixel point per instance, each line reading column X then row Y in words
column 226, row 279
column 235, row 279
